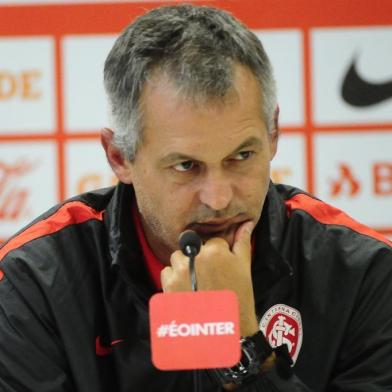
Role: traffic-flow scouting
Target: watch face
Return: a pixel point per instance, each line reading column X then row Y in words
column 248, row 367
column 254, row 351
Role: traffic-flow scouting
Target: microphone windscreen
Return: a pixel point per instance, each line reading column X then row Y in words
column 189, row 239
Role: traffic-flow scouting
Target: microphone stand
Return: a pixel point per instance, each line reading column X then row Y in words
column 190, row 244
column 192, row 272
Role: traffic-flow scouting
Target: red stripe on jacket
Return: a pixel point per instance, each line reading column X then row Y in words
column 326, row 214
column 70, row 213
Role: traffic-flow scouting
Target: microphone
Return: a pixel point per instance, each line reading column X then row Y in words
column 190, row 243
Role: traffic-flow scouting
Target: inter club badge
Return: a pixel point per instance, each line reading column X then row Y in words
column 282, row 324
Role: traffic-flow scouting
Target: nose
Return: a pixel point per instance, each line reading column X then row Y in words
column 216, row 192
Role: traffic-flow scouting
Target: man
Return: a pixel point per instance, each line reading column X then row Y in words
column 194, row 128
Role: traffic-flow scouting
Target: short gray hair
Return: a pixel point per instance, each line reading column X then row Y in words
column 197, row 48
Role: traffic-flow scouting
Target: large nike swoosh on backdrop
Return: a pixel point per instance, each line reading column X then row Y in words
column 358, row 92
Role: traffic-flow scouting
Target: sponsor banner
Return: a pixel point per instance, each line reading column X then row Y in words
column 284, row 48
column 84, row 56
column 353, row 171
column 85, row 106
column 27, row 96
column 349, row 84
column 352, row 75
column 289, row 164
column 57, row 2
column 23, row 193
column 87, row 167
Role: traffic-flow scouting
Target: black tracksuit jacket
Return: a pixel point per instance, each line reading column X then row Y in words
column 74, row 281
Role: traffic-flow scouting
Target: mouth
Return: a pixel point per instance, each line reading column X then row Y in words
column 217, row 227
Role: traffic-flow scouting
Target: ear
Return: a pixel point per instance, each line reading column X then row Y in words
column 120, row 165
column 274, row 135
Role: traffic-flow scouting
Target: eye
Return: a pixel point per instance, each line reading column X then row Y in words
column 243, row 155
column 184, row 166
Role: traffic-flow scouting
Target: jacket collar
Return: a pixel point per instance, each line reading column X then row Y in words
column 269, row 265
column 124, row 249
column 117, row 221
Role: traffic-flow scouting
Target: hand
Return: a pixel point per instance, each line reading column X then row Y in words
column 218, row 268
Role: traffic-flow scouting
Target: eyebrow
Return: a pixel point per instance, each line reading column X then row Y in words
column 251, row 141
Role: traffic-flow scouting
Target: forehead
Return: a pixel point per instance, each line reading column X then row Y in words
column 169, row 118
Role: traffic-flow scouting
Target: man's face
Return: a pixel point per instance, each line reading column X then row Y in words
column 200, row 167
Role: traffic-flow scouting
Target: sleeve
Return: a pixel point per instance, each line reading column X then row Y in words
column 280, row 378
column 273, row 382
column 31, row 355
column 365, row 358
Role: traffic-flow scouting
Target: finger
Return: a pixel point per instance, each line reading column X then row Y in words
column 217, row 242
column 178, row 259
column 180, row 266
column 166, row 277
column 213, row 249
column 242, row 239
column 175, row 279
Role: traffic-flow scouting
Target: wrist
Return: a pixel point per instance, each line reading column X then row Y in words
column 249, row 327
column 257, row 355
column 249, row 324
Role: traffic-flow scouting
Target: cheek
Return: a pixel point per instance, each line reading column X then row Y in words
column 148, row 183
column 258, row 175
column 254, row 185
column 180, row 200
column 148, row 193
column 173, row 202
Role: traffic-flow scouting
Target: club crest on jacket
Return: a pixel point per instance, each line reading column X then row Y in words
column 282, row 324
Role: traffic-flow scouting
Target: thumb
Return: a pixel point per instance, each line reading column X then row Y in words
column 242, row 240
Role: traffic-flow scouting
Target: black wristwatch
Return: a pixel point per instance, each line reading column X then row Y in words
column 255, row 350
